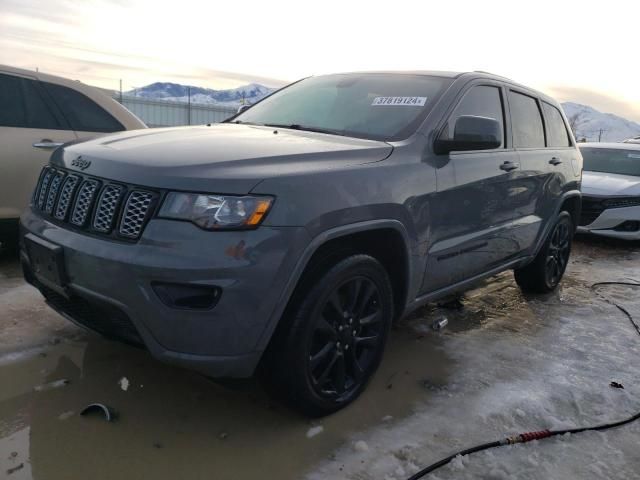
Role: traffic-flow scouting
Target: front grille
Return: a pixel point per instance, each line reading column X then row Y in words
column 103, row 318
column 94, row 205
column 592, row 207
column 621, row 202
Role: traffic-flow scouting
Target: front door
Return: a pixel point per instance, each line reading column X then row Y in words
column 473, row 208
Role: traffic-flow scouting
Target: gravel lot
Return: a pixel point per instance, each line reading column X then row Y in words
column 505, row 364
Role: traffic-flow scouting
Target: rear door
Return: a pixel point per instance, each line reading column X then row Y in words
column 473, row 211
column 561, row 153
column 31, row 127
column 542, row 185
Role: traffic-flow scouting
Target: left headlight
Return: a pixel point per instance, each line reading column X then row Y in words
column 216, row 212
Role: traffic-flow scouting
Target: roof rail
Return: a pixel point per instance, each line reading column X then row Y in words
column 494, row 74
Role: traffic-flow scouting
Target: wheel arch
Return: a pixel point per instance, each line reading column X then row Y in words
column 345, row 240
column 570, row 201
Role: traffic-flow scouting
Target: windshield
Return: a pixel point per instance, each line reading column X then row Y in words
column 374, row 106
column 610, row 160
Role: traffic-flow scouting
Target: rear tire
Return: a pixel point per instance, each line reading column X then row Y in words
column 333, row 337
column 546, row 271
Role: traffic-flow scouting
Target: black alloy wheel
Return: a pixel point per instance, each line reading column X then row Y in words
column 558, row 253
column 545, row 272
column 348, row 330
column 332, row 337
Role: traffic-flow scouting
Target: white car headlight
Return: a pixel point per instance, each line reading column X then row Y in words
column 216, row 212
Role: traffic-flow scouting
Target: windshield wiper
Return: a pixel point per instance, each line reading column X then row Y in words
column 304, row 128
column 240, row 122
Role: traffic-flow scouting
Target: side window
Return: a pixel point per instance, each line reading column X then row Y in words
column 528, row 129
column 81, row 112
column 480, row 101
column 557, row 133
column 22, row 105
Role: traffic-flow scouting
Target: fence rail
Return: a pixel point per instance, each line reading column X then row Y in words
column 167, row 113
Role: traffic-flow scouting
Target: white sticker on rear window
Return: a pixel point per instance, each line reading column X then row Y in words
column 402, row 101
column 633, row 155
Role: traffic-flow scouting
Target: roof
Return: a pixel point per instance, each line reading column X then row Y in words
column 433, row 73
column 611, row 145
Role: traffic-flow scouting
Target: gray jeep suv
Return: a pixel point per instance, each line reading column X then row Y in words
column 286, row 240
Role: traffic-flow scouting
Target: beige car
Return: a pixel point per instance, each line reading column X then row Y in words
column 38, row 113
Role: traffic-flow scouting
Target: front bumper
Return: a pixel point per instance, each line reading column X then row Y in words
column 606, row 223
column 113, row 280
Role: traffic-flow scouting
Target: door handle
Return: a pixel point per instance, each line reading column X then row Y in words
column 508, row 166
column 555, row 161
column 47, row 144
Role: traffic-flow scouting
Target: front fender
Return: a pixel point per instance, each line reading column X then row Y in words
column 319, row 240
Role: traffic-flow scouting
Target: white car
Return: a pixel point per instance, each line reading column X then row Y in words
column 633, row 140
column 38, row 113
column 611, row 190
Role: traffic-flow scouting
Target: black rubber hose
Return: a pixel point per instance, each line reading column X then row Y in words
column 523, row 438
column 444, row 461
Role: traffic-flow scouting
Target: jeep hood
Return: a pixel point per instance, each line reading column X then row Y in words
column 609, row 184
column 222, row 158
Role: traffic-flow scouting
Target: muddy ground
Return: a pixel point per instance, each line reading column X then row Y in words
column 176, row 424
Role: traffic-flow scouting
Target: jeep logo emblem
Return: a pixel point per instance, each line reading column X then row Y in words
column 81, row 163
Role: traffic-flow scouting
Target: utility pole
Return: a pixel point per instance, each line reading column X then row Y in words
column 600, row 135
column 189, row 109
column 120, row 90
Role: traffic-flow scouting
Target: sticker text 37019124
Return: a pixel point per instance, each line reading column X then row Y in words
column 399, row 101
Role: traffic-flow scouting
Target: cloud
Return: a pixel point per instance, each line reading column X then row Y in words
column 36, row 35
column 598, row 100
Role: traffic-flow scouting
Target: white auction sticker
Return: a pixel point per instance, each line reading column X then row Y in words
column 403, row 101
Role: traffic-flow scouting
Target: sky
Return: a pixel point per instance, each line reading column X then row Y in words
column 579, row 51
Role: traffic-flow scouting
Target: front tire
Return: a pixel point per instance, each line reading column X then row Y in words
column 334, row 336
column 546, row 271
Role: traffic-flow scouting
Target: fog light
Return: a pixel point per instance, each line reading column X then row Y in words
column 187, row 296
column 628, row 226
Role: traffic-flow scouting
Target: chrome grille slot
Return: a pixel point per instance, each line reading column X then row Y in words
column 135, row 213
column 106, row 207
column 66, row 195
column 44, row 186
column 84, row 201
column 53, row 192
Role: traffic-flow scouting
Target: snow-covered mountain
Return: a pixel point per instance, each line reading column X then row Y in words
column 232, row 97
column 589, row 123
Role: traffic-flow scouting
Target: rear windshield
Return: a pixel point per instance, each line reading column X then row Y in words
column 373, row 106
column 610, row 160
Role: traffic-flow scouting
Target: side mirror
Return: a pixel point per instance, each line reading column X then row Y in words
column 242, row 108
column 471, row 133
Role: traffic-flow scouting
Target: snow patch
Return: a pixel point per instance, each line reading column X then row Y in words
column 360, row 446
column 313, row 431
column 547, row 365
column 124, row 384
